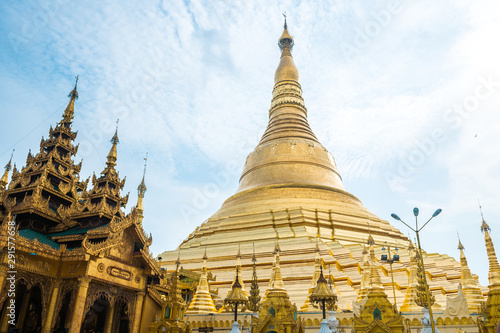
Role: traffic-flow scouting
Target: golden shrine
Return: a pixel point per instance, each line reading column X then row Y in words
column 83, row 264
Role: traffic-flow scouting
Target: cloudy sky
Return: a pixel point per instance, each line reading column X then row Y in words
column 404, row 94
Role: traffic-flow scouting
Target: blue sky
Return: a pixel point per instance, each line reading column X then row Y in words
column 404, row 95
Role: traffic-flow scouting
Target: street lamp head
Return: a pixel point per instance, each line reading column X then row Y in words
column 437, row 212
column 415, row 211
column 394, row 216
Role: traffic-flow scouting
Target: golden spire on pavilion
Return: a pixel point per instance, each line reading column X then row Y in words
column 141, row 189
column 254, row 298
column 409, row 304
column 238, row 273
column 5, row 178
column 112, row 155
column 364, row 288
column 70, row 109
column 276, row 282
column 202, row 301
column 470, row 286
column 375, row 282
column 314, row 281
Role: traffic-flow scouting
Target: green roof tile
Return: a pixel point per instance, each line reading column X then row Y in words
column 32, row 234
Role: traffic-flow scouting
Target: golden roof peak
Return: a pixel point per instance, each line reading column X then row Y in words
column 276, row 281
column 178, row 261
column 112, row 155
column 460, row 246
column 370, row 240
column 141, row 189
column 5, row 178
column 286, row 71
column 70, row 109
column 205, row 258
column 276, row 246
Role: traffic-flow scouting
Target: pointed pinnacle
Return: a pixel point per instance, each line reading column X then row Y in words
column 460, row 246
column 205, row 255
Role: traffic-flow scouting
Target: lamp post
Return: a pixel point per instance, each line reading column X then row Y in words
column 235, row 297
column 417, row 230
column 390, row 259
column 324, row 296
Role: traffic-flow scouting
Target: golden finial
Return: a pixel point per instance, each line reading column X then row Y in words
column 317, row 246
column 276, row 246
column 74, row 93
column 254, row 298
column 205, row 255
column 112, row 155
column 5, row 178
column 178, row 261
column 484, row 225
column 70, row 109
column 254, row 260
column 8, row 166
column 370, row 240
column 460, row 246
column 142, row 186
column 285, row 41
column 114, row 139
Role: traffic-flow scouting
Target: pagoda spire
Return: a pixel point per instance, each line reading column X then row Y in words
column 70, row 109
column 202, row 301
column 5, row 178
column 314, row 281
column 141, row 189
column 494, row 272
column 254, row 299
column 375, row 281
column 409, row 304
column 365, row 276
column 491, row 314
column 276, row 282
column 470, row 286
column 238, row 272
column 112, row 155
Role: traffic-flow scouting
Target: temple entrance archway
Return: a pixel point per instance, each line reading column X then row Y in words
column 95, row 318
column 29, row 311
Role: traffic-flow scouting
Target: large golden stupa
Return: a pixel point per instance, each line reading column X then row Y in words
column 290, row 190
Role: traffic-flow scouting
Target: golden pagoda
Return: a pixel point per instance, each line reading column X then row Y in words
column 290, row 189
column 202, row 301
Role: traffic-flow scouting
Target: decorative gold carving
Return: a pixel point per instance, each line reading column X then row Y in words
column 101, row 267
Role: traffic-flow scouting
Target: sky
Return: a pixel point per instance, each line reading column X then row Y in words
column 404, row 94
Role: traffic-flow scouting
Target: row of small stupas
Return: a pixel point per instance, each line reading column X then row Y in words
column 204, row 299
column 75, row 247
